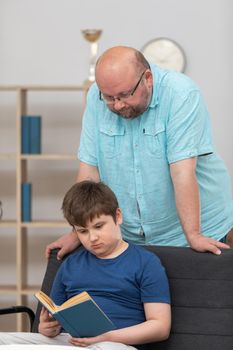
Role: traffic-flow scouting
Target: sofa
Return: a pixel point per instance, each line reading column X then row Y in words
column 202, row 298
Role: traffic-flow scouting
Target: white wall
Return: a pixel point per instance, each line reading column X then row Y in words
column 40, row 43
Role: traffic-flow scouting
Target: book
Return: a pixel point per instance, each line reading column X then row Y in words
column 25, row 134
column 35, row 134
column 80, row 316
column 26, row 201
column 31, row 134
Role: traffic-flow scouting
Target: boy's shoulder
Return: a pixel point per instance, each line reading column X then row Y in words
column 75, row 255
column 144, row 253
column 134, row 252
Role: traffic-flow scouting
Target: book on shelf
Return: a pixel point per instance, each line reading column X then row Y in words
column 25, row 134
column 79, row 316
column 31, row 134
column 35, row 134
column 26, row 201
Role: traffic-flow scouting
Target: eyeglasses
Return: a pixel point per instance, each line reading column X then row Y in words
column 123, row 96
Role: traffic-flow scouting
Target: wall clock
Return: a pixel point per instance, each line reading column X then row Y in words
column 166, row 53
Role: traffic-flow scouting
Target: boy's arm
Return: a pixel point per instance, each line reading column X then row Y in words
column 155, row 328
column 48, row 326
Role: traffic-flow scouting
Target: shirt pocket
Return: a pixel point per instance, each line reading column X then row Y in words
column 155, row 142
column 111, row 140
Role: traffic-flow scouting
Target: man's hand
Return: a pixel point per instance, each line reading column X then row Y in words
column 48, row 326
column 205, row 244
column 187, row 195
column 67, row 243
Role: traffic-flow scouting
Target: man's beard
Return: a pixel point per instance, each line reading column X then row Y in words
column 131, row 112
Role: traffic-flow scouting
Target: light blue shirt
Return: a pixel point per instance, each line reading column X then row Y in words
column 133, row 158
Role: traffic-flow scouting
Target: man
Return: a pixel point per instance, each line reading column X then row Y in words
column 146, row 133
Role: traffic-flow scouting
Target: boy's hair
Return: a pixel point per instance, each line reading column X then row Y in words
column 86, row 200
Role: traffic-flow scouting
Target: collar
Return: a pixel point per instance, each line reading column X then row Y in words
column 154, row 99
column 156, row 82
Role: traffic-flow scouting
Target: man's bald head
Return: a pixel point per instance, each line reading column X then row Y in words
column 120, row 62
column 124, row 78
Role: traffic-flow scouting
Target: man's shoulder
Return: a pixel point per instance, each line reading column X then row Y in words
column 93, row 91
column 175, row 81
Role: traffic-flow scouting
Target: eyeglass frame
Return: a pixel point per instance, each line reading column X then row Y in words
column 122, row 99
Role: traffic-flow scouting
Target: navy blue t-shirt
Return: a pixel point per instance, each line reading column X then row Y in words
column 119, row 285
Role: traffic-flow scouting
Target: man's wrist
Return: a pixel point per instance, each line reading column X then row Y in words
column 193, row 236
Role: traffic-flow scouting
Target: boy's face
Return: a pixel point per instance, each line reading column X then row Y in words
column 101, row 236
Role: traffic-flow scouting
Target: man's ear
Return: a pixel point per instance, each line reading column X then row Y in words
column 149, row 78
column 119, row 217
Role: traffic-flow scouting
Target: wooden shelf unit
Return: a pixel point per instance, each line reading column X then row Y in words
column 21, row 289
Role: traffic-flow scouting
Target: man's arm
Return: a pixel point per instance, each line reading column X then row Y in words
column 68, row 242
column 186, row 189
column 155, row 328
column 88, row 172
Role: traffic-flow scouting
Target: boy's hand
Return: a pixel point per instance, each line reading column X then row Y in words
column 48, row 326
column 88, row 341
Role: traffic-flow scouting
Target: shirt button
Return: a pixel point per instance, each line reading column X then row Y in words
column 141, row 233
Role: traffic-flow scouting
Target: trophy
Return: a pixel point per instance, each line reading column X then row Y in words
column 92, row 35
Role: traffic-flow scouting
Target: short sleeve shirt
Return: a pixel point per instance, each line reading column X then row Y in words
column 134, row 156
column 120, row 286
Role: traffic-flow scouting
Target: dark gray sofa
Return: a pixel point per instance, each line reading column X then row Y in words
column 202, row 298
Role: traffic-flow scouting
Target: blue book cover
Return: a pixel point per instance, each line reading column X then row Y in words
column 26, row 201
column 35, row 134
column 80, row 316
column 25, row 134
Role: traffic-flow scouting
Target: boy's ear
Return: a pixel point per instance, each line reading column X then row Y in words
column 119, row 217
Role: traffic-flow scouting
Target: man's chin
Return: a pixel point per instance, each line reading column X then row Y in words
column 128, row 114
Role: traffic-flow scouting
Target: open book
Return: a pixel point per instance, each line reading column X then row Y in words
column 80, row 316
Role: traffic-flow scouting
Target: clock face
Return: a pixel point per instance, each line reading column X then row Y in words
column 166, row 53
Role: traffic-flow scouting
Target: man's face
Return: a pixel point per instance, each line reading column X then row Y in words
column 102, row 235
column 129, row 98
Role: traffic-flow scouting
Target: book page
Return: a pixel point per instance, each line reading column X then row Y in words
column 76, row 299
column 46, row 301
column 52, row 307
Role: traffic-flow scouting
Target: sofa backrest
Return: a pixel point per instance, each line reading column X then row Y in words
column 202, row 298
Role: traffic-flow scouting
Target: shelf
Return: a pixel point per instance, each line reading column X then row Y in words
column 12, row 156
column 52, row 87
column 24, row 170
column 46, row 224
column 48, row 157
column 12, row 290
column 9, row 87
column 34, row 224
column 30, row 290
column 9, row 290
column 8, row 223
column 44, row 87
column 7, row 156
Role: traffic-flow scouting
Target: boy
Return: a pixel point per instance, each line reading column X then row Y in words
column 126, row 281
